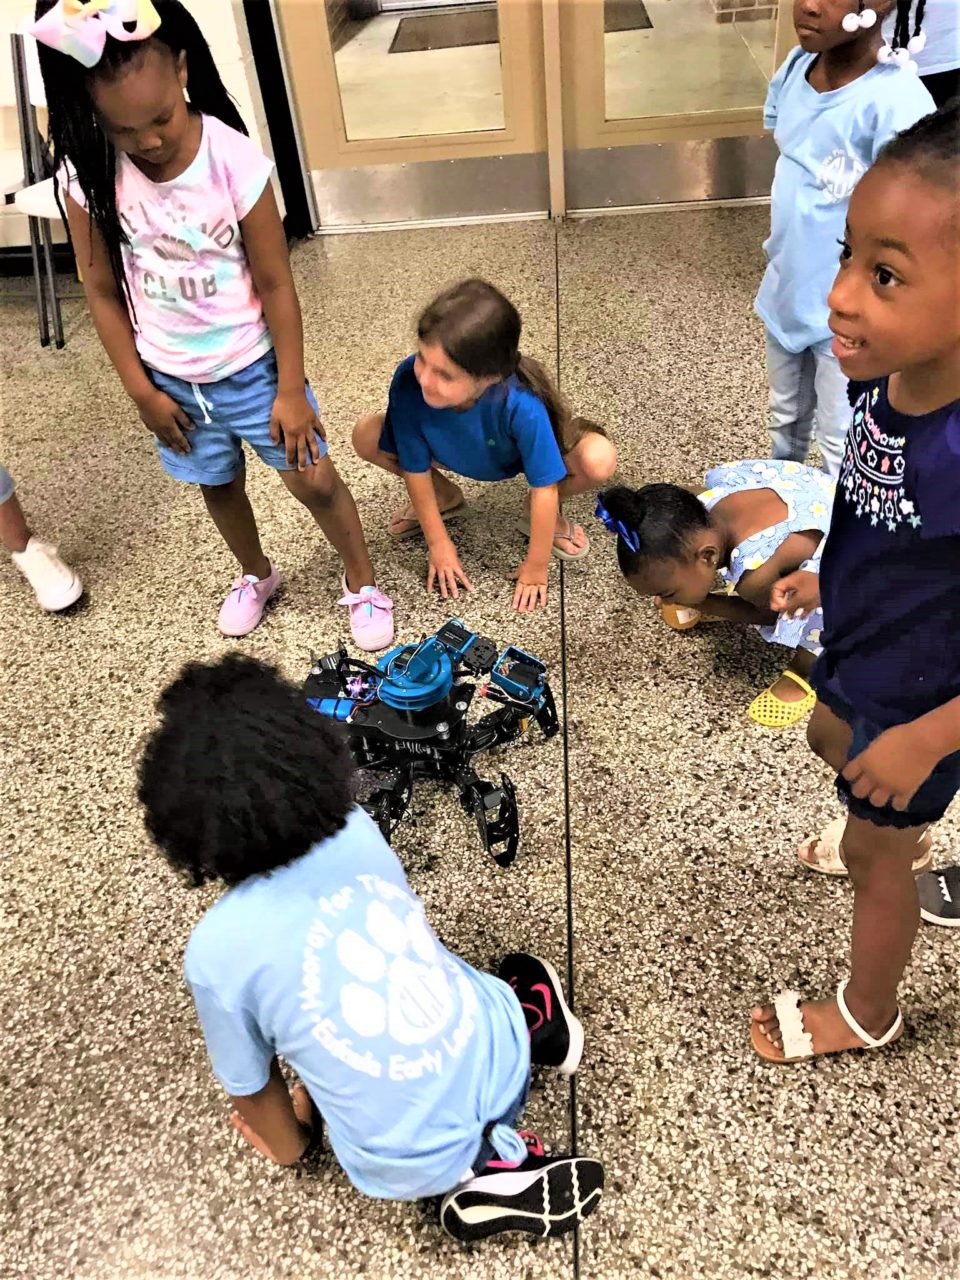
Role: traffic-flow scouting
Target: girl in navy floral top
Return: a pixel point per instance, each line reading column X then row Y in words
column 888, row 682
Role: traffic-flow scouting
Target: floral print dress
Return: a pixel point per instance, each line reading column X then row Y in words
column 808, row 496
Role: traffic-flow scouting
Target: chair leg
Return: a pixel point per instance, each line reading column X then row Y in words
column 39, row 291
column 52, row 286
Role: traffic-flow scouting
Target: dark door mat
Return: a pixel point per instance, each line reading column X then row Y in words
column 455, row 30
column 423, row 31
column 626, row 15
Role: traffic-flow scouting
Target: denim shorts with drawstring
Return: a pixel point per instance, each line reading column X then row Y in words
column 226, row 414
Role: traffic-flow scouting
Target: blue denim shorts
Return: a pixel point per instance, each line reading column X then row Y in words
column 226, row 414
column 6, row 484
column 927, row 806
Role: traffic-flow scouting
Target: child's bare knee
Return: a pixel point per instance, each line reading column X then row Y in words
column 316, row 487
column 366, row 436
column 320, row 491
column 824, row 741
column 873, row 853
column 596, row 458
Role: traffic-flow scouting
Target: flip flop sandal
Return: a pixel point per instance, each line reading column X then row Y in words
column 523, row 525
column 678, row 617
column 798, row 1043
column 773, row 713
column 826, row 846
column 414, row 523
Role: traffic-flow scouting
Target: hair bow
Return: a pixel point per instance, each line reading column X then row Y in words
column 630, row 536
column 79, row 28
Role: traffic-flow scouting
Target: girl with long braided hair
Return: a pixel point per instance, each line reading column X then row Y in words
column 188, row 279
column 929, row 30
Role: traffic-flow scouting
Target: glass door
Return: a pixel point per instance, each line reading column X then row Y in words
column 419, row 113
column 410, row 111
column 662, row 99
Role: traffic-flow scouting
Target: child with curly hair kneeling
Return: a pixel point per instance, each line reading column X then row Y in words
column 320, row 954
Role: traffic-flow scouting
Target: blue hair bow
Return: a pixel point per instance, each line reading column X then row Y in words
column 630, row 536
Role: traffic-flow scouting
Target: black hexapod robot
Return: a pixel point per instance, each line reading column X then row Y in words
column 407, row 719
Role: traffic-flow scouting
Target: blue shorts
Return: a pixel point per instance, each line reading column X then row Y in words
column 226, row 414
column 6, row 484
column 927, row 806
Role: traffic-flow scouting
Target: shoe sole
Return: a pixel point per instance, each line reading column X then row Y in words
column 574, row 1026
column 930, row 918
column 449, row 516
column 71, row 596
column 541, row 1202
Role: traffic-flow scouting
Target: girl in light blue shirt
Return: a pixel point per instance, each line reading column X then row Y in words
column 832, row 106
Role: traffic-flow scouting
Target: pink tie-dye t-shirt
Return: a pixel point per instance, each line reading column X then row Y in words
column 198, row 314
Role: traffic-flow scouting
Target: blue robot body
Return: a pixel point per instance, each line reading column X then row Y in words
column 416, row 677
column 407, row 718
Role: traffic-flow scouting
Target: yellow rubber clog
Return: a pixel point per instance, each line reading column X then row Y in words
column 773, row 713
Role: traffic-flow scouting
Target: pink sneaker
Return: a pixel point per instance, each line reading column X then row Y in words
column 534, row 1148
column 371, row 616
column 243, row 607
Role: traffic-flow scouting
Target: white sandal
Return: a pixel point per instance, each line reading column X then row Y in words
column 797, row 1041
column 827, row 847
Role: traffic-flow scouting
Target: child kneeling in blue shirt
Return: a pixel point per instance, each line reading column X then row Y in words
column 471, row 403
column 320, row 954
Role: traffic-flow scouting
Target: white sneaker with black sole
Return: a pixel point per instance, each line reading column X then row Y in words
column 556, row 1035
column 939, row 893
column 544, row 1196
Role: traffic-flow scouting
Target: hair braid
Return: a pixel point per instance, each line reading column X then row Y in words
column 78, row 141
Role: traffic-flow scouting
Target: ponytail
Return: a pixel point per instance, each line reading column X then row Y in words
column 532, row 375
column 652, row 523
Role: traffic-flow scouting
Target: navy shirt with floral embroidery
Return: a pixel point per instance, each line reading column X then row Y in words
column 890, row 573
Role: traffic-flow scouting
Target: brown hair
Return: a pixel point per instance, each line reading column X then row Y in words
column 479, row 329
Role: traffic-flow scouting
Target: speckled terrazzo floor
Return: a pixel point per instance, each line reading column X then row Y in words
column 687, row 903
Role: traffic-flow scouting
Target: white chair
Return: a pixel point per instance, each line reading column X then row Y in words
column 30, row 186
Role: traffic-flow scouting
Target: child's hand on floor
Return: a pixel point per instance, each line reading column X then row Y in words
column 796, row 595
column 294, row 420
column 306, row 1118
column 531, row 590
column 893, row 768
column 446, row 571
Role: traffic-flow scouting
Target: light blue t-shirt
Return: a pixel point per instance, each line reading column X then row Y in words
column 827, row 141
column 507, row 431
column 407, row 1052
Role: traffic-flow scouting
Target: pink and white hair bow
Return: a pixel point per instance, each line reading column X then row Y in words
column 79, row 28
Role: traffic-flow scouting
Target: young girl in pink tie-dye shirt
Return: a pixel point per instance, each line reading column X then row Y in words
column 188, row 280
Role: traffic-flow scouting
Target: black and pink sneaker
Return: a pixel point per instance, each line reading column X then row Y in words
column 543, row 1196
column 534, row 1148
column 556, row 1036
